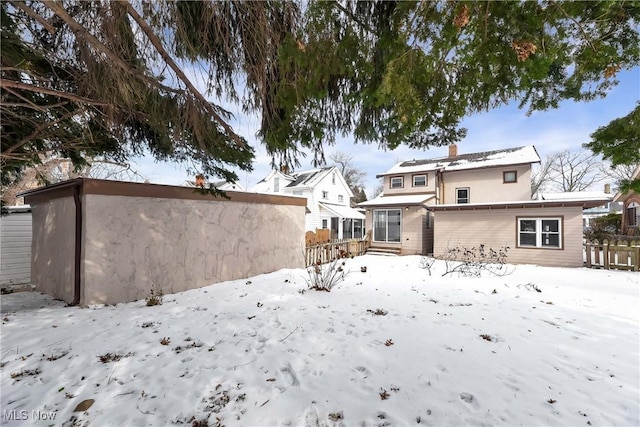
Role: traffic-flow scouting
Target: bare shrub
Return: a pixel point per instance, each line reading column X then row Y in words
column 155, row 297
column 323, row 277
column 426, row 263
column 475, row 261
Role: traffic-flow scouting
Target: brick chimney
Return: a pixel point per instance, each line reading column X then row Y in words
column 200, row 180
column 453, row 151
column 607, row 188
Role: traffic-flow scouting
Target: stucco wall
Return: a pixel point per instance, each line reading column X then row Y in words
column 53, row 247
column 135, row 243
column 496, row 228
column 486, row 185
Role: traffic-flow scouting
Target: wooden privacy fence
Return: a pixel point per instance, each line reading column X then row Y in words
column 613, row 255
column 327, row 252
column 322, row 235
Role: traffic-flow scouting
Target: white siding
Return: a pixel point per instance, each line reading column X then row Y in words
column 15, row 243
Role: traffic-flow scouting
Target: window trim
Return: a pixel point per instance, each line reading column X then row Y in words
column 426, row 180
column 340, row 198
column 373, row 220
column 325, row 195
column 631, row 213
column 468, row 196
column 539, row 232
column 325, row 223
column 401, row 178
column 515, row 176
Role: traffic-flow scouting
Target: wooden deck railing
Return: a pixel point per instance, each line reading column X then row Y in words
column 612, row 255
column 327, row 252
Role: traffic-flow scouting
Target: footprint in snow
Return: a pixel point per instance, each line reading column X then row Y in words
column 290, row 375
column 470, row 399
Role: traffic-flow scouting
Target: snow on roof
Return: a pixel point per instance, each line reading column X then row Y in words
column 342, row 211
column 576, row 195
column 308, row 178
column 584, row 202
column 509, row 156
column 408, row 199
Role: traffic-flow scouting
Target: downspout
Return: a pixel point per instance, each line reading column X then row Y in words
column 440, row 187
column 77, row 288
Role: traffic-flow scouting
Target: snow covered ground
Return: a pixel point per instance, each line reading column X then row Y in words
column 392, row 346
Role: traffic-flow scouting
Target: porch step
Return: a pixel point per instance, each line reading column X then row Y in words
column 383, row 251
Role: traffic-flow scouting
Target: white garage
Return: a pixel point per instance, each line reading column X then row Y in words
column 15, row 246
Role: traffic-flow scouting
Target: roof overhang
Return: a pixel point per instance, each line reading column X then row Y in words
column 584, row 204
column 399, row 200
column 342, row 211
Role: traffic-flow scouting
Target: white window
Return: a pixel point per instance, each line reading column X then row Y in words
column 325, row 195
column 397, row 182
column 420, row 180
column 509, row 177
column 462, row 195
column 276, row 184
column 340, row 198
column 540, row 233
column 324, row 223
column 386, row 225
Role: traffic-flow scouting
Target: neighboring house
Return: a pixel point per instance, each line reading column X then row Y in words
column 220, row 185
column 590, row 214
column 328, row 199
column 430, row 206
column 15, row 246
column 630, row 209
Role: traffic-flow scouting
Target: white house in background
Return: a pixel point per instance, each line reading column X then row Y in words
column 588, row 215
column 220, row 185
column 328, row 199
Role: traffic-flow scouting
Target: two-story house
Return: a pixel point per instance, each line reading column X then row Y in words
column 466, row 200
column 328, row 199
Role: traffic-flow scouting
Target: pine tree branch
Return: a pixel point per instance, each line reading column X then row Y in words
column 157, row 44
column 26, row 9
column 35, row 133
column 4, row 83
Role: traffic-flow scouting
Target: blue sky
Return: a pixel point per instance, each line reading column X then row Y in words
column 567, row 127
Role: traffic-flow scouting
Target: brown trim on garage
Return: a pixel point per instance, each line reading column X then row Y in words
column 136, row 189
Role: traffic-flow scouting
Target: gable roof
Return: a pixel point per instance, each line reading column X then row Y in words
column 486, row 159
column 264, row 184
column 309, row 178
column 621, row 197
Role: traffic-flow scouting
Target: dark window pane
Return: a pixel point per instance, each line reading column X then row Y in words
column 528, row 225
column 527, row 239
column 394, row 226
column 551, row 240
column 380, row 226
column 462, row 195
